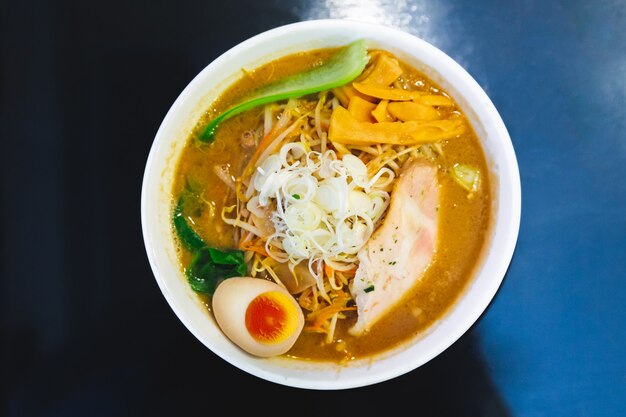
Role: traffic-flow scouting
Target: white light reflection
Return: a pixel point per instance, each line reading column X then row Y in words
column 431, row 20
column 411, row 16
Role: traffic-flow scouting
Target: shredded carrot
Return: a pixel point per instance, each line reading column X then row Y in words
column 320, row 316
column 267, row 141
column 328, row 270
column 326, row 313
column 251, row 246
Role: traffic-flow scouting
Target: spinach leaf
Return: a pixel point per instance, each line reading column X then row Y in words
column 210, row 265
column 230, row 257
column 187, row 236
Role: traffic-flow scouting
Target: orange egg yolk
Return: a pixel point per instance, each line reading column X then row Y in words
column 271, row 317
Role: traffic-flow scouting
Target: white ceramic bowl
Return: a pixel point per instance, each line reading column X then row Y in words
column 207, row 85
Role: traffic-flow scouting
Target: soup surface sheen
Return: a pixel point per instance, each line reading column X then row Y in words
column 463, row 217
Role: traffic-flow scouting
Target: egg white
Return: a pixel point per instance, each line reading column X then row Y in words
column 230, row 302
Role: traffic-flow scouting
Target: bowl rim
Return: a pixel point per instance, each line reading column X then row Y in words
column 363, row 375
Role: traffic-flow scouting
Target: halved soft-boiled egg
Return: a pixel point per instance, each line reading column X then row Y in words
column 258, row 315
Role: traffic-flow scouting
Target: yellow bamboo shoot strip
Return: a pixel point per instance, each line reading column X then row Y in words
column 346, row 92
column 385, row 71
column 345, row 129
column 381, row 114
column 435, row 100
column 412, row 110
column 361, row 110
column 387, row 93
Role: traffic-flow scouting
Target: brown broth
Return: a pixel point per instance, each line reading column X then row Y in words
column 462, row 226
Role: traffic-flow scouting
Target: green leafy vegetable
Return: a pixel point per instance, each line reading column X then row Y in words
column 187, row 236
column 208, row 265
column 369, row 289
column 340, row 69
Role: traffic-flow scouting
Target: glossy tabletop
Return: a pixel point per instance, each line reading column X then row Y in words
column 84, row 328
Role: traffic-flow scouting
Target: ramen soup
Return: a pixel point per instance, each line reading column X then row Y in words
column 336, row 224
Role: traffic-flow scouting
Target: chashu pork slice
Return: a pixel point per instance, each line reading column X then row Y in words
column 401, row 249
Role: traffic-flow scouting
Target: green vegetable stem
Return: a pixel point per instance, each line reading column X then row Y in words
column 340, row 69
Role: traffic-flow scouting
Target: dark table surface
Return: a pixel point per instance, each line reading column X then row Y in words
column 85, row 329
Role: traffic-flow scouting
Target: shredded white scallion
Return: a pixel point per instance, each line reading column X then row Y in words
column 324, row 208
